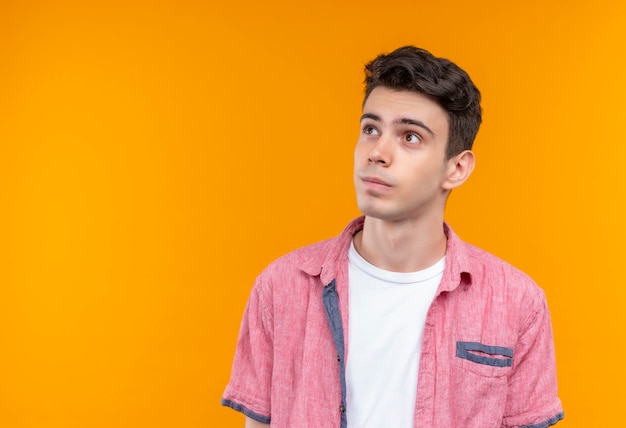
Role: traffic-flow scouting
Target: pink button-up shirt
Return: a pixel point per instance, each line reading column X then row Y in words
column 487, row 355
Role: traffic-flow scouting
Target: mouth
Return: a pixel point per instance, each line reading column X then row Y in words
column 375, row 179
column 375, row 183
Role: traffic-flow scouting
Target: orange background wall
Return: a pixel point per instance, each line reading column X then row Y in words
column 156, row 155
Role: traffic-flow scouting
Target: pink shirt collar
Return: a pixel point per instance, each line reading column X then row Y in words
column 457, row 272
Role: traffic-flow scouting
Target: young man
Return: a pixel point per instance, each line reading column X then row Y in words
column 397, row 322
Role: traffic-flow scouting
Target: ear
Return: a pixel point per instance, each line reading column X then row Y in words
column 458, row 169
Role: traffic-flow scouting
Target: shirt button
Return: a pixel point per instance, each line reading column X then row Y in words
column 342, row 408
column 338, row 358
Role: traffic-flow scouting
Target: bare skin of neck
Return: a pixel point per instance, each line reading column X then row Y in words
column 406, row 246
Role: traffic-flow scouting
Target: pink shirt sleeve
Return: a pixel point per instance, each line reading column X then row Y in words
column 249, row 388
column 532, row 390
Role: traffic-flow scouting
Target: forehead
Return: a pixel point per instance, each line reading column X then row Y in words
column 391, row 104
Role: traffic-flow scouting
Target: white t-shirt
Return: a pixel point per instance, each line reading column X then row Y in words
column 387, row 312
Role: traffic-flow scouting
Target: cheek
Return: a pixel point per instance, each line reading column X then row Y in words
column 361, row 153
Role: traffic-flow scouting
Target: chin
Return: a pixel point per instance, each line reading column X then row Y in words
column 378, row 212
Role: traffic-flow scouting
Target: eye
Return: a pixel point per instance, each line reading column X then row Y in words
column 370, row 130
column 412, row 137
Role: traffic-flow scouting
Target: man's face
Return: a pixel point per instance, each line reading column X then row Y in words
column 400, row 167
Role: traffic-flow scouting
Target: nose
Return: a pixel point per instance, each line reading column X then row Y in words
column 381, row 152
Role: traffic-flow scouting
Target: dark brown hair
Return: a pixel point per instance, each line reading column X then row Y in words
column 414, row 69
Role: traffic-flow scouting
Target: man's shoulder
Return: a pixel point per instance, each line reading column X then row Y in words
column 489, row 270
column 311, row 259
column 490, row 261
column 302, row 255
column 291, row 276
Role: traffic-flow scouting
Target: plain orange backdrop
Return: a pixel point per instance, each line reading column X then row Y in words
column 156, row 155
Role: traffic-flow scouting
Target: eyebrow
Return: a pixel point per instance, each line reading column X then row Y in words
column 402, row 120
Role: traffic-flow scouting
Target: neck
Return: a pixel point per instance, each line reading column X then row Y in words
column 402, row 246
